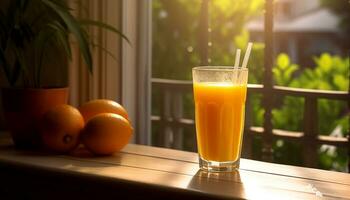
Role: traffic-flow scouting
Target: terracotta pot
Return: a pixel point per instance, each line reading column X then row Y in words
column 23, row 109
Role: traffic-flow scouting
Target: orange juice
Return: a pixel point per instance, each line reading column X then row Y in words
column 219, row 119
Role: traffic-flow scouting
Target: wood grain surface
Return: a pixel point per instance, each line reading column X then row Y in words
column 139, row 170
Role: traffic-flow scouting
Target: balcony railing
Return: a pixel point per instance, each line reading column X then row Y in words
column 171, row 121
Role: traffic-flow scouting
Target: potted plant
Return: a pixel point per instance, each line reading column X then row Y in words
column 34, row 36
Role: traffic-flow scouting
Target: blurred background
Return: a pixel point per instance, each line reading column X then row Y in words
column 310, row 50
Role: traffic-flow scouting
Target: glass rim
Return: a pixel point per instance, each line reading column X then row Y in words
column 219, row 68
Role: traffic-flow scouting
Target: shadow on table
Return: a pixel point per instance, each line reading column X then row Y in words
column 221, row 185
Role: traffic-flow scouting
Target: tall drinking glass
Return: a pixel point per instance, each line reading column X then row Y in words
column 219, row 95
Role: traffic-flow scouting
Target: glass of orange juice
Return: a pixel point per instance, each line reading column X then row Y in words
column 219, row 95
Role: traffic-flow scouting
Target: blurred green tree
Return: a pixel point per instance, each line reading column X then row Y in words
column 175, row 33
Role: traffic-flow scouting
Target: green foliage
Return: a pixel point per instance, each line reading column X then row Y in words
column 227, row 28
column 287, row 152
column 31, row 29
column 283, row 72
column 330, row 73
column 333, row 158
column 175, row 36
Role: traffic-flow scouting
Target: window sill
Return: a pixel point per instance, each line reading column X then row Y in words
column 149, row 172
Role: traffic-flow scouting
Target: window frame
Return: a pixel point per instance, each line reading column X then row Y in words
column 136, row 66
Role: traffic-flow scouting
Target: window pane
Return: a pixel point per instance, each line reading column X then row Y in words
column 175, row 29
column 310, row 50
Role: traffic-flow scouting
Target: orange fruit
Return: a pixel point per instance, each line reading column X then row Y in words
column 106, row 133
column 98, row 106
column 61, row 127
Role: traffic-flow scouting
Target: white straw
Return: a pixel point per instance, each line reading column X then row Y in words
column 246, row 55
column 238, row 57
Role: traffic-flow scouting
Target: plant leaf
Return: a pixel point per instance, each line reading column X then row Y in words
column 40, row 45
column 75, row 28
column 283, row 61
column 64, row 42
column 11, row 13
column 23, row 5
column 15, row 73
column 287, row 75
column 104, row 25
column 325, row 62
column 277, row 75
column 62, row 4
column 3, row 30
column 5, row 66
column 62, row 37
column 340, row 82
column 22, row 63
column 104, row 49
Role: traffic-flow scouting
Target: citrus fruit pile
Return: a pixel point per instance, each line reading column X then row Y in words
column 101, row 126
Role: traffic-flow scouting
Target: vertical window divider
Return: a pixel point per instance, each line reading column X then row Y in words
column 268, row 96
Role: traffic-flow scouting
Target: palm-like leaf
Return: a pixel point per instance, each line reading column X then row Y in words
column 105, row 26
column 20, row 58
column 74, row 27
column 3, row 30
column 41, row 42
column 104, row 49
column 61, row 36
column 15, row 73
column 23, row 4
column 4, row 64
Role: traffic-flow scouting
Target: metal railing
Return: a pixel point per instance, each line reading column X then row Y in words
column 171, row 121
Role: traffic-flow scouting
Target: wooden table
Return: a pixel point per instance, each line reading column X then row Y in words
column 143, row 172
